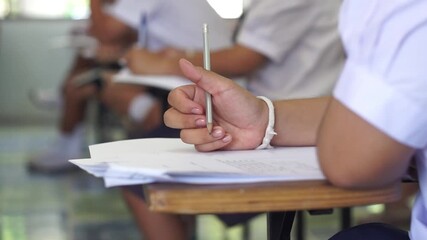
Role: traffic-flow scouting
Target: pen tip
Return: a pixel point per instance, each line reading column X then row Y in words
column 209, row 126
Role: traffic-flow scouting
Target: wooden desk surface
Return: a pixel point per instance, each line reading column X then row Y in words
column 260, row 197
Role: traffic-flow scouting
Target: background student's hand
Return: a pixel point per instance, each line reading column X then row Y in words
column 109, row 53
column 240, row 119
column 141, row 61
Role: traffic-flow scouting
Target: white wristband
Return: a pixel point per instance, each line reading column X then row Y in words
column 269, row 131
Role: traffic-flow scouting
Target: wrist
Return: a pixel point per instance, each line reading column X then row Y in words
column 269, row 132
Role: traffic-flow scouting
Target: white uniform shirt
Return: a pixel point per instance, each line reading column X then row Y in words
column 385, row 78
column 174, row 23
column 300, row 40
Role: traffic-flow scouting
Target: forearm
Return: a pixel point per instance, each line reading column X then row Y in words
column 233, row 62
column 297, row 121
column 365, row 156
column 107, row 29
column 97, row 17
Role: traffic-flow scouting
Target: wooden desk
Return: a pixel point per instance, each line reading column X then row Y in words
column 279, row 199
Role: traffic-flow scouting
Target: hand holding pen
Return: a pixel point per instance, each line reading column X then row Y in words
column 240, row 117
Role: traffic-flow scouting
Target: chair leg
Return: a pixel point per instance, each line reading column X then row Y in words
column 279, row 225
column 246, row 230
column 345, row 218
column 300, row 226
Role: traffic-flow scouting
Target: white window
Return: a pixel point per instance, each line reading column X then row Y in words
column 47, row 9
column 4, row 8
column 229, row 8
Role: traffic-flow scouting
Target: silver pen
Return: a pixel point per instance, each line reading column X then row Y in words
column 207, row 66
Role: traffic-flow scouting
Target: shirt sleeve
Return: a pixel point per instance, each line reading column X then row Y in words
column 273, row 27
column 127, row 11
column 385, row 78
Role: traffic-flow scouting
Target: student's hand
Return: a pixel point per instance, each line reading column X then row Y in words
column 141, row 61
column 108, row 53
column 240, row 119
column 173, row 53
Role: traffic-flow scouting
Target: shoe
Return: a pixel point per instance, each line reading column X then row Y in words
column 45, row 98
column 52, row 162
column 55, row 159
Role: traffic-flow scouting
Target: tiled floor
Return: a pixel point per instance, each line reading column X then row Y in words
column 77, row 206
column 72, row 206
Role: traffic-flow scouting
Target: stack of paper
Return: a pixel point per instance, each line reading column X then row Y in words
column 170, row 160
column 166, row 82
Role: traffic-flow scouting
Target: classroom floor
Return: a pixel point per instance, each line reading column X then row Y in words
column 78, row 207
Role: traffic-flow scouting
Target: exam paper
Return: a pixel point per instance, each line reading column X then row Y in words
column 149, row 160
column 166, row 82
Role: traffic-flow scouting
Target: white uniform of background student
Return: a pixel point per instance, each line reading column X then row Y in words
column 300, row 40
column 387, row 66
column 174, row 23
column 287, row 49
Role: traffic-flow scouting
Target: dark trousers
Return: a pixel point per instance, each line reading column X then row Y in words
column 372, row 231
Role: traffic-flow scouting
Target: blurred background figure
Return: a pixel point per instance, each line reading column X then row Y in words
column 107, row 40
column 285, row 49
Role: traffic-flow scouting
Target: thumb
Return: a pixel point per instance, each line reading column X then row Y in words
column 207, row 80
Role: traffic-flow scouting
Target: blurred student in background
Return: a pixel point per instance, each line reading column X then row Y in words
column 113, row 37
column 296, row 39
